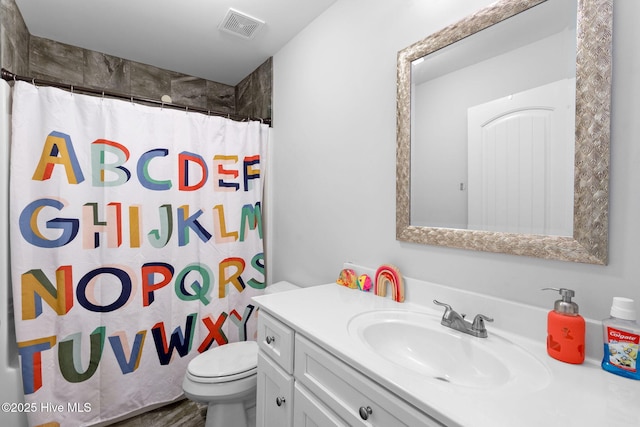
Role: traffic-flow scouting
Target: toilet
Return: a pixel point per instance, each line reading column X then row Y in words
column 225, row 378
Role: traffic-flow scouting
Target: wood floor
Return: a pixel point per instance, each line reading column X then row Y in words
column 184, row 413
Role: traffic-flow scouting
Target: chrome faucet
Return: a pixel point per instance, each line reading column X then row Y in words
column 453, row 320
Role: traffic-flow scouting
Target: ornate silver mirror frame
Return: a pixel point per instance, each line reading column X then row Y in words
column 589, row 243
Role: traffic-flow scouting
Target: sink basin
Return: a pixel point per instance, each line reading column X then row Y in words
column 417, row 342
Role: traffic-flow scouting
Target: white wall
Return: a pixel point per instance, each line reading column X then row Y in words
column 334, row 161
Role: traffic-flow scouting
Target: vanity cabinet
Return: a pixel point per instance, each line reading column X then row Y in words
column 274, row 405
column 311, row 387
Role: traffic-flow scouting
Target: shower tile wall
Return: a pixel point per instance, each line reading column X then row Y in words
column 14, row 38
column 51, row 60
column 28, row 55
column 104, row 71
column 253, row 93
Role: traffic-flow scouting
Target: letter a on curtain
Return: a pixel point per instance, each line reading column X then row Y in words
column 136, row 244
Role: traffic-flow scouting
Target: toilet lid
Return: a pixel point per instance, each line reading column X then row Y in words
column 226, row 360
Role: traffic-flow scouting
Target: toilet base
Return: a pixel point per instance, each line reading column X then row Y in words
column 228, row 404
column 236, row 414
column 226, row 414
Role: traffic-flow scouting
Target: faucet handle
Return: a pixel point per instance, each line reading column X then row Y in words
column 478, row 322
column 446, row 306
column 449, row 314
column 436, row 302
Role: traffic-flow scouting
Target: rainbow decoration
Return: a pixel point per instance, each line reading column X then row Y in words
column 364, row 283
column 388, row 274
column 348, row 278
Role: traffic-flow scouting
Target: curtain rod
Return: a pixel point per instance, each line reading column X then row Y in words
column 9, row 76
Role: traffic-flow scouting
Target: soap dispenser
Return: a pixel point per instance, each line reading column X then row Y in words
column 565, row 329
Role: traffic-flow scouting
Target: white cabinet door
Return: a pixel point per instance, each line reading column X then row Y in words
column 274, row 396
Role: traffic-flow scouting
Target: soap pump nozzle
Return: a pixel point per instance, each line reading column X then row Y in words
column 565, row 305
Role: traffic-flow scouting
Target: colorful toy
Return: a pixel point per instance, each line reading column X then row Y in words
column 364, row 282
column 388, row 274
column 348, row 278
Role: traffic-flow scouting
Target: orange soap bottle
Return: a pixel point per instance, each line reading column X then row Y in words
column 565, row 329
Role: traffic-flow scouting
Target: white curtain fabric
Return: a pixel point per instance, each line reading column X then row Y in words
column 136, row 244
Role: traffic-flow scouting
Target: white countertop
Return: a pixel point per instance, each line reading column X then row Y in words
column 576, row 395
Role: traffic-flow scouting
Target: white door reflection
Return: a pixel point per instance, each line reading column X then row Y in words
column 519, row 151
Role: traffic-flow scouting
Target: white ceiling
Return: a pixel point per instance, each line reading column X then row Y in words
column 177, row 35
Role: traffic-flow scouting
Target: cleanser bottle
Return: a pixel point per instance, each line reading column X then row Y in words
column 621, row 339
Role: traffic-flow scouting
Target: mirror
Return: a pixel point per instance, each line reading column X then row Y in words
column 473, row 101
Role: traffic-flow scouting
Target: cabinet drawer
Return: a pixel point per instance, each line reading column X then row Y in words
column 274, row 399
column 310, row 412
column 349, row 393
column 276, row 340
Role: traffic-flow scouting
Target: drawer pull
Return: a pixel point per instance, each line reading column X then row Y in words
column 365, row 412
column 270, row 339
column 280, row 401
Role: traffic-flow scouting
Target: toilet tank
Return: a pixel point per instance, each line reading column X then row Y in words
column 280, row 287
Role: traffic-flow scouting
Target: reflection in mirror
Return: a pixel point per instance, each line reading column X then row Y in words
column 489, row 125
column 493, row 127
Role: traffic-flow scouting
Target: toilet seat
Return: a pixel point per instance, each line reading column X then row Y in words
column 229, row 362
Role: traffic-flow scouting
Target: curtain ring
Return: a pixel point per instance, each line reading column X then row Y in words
column 71, row 90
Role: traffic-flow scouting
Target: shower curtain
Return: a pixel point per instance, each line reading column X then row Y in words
column 136, row 244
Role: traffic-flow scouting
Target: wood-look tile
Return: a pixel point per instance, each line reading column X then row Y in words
column 187, row 90
column 51, row 60
column 150, row 82
column 221, row 97
column 107, row 72
column 14, row 39
column 253, row 93
column 184, row 413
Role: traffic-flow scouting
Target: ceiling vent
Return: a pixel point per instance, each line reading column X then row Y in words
column 240, row 24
